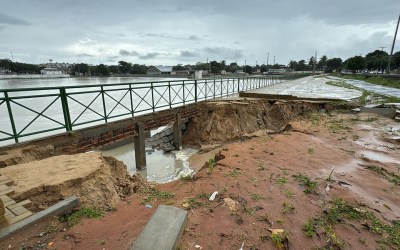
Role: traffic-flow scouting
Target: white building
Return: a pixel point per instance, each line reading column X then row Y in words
column 51, row 71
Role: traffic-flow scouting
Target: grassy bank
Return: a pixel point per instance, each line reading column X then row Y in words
column 380, row 80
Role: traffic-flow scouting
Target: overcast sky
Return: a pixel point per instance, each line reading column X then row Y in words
column 185, row 31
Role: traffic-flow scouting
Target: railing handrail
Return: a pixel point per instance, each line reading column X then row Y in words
column 124, row 83
column 144, row 97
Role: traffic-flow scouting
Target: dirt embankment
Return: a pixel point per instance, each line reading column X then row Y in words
column 97, row 180
column 228, row 121
column 25, row 154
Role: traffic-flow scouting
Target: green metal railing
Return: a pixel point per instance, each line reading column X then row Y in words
column 26, row 112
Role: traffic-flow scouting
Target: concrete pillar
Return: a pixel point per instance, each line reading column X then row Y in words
column 178, row 132
column 140, row 151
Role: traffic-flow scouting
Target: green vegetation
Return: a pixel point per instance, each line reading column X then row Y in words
column 309, row 228
column 260, row 166
column 390, row 176
column 379, row 80
column 282, row 180
column 188, row 177
column 154, row 195
column 340, row 212
column 289, row 193
column 87, row 212
column 197, row 201
column 287, row 208
column 212, row 163
column 256, row 197
column 308, row 185
column 310, row 150
column 337, row 125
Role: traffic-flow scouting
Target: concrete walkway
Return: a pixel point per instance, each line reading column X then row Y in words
column 387, row 91
column 310, row 87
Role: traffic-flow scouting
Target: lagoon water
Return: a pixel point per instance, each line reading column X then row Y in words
column 24, row 110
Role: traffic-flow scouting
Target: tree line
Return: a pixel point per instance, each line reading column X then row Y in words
column 376, row 61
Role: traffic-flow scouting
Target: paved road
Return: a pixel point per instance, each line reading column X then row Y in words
column 387, row 91
column 310, row 87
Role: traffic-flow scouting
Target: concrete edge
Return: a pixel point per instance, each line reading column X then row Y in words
column 163, row 230
column 58, row 208
column 285, row 97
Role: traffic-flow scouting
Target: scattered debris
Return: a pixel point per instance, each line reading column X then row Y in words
column 198, row 247
column 148, row 206
column 232, row 204
column 212, row 197
column 280, row 238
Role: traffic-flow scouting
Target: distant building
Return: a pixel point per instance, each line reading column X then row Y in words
column 160, row 70
column 196, row 74
column 51, row 71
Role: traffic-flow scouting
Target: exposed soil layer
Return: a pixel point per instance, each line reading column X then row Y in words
column 98, row 181
column 227, row 121
column 346, row 159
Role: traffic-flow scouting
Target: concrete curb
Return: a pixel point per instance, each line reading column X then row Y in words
column 163, row 230
column 58, row 208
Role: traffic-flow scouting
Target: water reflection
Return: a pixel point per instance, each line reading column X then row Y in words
column 161, row 167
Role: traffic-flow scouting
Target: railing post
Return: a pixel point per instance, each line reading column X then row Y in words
column 169, row 94
column 139, row 144
column 238, row 89
column 104, row 104
column 11, row 117
column 130, row 95
column 205, row 90
column 221, row 87
column 64, row 104
column 214, row 88
column 177, row 131
column 152, row 96
column 195, row 90
column 183, row 92
column 227, row 88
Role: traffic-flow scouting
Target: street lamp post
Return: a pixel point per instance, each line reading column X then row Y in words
column 394, row 41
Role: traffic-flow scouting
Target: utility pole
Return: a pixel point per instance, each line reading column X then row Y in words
column 274, row 60
column 12, row 57
column 315, row 62
column 267, row 61
column 394, row 41
column 380, row 59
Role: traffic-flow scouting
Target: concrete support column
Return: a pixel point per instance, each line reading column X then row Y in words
column 140, row 151
column 178, row 132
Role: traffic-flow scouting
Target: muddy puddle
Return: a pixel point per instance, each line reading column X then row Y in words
column 161, row 167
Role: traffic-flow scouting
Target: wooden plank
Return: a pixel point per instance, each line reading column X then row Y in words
column 23, row 203
column 20, row 217
column 9, row 191
column 18, row 210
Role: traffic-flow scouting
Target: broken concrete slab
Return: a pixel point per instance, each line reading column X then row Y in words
column 58, row 208
column 163, row 230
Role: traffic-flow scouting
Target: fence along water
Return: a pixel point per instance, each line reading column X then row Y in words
column 28, row 113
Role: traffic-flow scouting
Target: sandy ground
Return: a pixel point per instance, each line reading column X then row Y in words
column 259, row 175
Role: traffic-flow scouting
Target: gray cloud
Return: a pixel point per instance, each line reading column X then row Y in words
column 149, row 55
column 111, row 58
column 123, row 52
column 6, row 19
column 233, row 30
column 84, row 55
column 227, row 53
column 186, row 53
